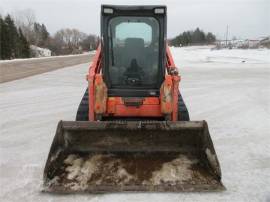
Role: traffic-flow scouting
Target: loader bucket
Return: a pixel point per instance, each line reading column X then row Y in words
column 132, row 156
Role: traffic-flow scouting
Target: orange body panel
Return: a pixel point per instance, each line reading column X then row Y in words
column 100, row 104
column 93, row 70
column 166, row 95
column 171, row 68
column 149, row 108
column 100, row 101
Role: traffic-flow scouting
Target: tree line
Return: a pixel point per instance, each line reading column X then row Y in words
column 193, row 37
column 13, row 43
column 64, row 41
column 21, row 32
column 72, row 41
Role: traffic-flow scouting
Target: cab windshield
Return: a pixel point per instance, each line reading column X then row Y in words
column 133, row 51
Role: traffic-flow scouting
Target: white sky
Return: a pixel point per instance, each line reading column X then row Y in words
column 246, row 18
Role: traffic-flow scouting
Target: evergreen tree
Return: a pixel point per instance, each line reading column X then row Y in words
column 1, row 36
column 198, row 36
column 44, row 35
column 41, row 35
column 37, row 34
column 11, row 38
column 5, row 46
column 193, row 37
column 210, row 38
column 13, row 44
column 24, row 46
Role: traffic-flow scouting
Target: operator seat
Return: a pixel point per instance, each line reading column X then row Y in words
column 134, row 49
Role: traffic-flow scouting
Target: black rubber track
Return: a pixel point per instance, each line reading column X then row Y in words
column 82, row 113
column 183, row 114
column 83, row 109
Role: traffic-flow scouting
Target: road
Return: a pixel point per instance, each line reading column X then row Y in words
column 232, row 96
column 17, row 69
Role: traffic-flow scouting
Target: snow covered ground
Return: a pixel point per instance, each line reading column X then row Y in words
column 207, row 56
column 232, row 95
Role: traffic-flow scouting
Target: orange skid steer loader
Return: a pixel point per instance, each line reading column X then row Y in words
column 132, row 130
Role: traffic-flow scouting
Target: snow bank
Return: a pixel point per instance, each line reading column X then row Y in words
column 40, row 52
column 41, row 58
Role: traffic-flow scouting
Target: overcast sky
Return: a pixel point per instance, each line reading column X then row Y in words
column 245, row 18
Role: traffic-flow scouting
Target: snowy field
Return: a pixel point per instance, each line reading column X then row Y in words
column 228, row 88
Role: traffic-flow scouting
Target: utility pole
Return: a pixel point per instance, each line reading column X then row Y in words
column 227, row 30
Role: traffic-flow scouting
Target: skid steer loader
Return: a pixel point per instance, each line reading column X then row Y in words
column 132, row 130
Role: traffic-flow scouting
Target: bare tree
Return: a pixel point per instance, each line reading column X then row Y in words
column 90, row 42
column 69, row 40
column 25, row 19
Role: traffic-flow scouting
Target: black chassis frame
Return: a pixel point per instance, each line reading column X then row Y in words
column 124, row 10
